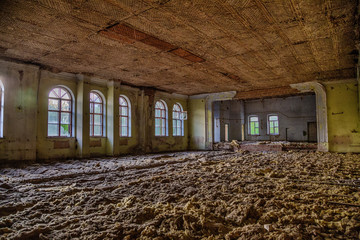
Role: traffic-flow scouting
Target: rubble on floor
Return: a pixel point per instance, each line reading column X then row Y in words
column 265, row 146
column 189, row 195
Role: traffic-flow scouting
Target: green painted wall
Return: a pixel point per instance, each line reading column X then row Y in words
column 343, row 117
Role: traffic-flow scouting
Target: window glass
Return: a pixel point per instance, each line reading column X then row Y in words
column 124, row 117
column 178, row 122
column 160, row 118
column 254, row 125
column 96, row 114
column 59, row 113
column 273, row 125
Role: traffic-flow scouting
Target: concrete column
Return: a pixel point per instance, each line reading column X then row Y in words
column 141, row 112
column 113, row 118
column 321, row 111
column 209, row 99
column 83, row 117
column 242, row 121
column 111, row 135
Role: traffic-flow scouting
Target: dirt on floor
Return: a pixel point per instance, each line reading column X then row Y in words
column 191, row 195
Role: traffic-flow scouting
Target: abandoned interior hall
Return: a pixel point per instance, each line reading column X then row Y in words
column 179, row 119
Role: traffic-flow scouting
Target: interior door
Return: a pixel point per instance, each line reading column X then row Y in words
column 312, row 132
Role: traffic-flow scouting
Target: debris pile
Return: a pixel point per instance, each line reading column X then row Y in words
column 193, row 195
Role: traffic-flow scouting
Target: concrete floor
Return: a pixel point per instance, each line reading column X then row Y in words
column 188, row 195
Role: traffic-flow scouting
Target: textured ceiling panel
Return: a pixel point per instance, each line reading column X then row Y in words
column 186, row 46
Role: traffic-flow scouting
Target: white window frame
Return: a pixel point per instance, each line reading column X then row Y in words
column 128, row 116
column 72, row 111
column 103, row 99
column 166, row 133
column 249, row 125
column 268, row 124
column 178, row 119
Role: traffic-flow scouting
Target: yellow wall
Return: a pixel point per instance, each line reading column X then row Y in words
column 197, row 124
column 343, row 117
column 26, row 113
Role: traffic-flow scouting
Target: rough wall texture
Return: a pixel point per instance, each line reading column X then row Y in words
column 25, row 117
column 197, row 124
column 20, row 112
column 294, row 115
column 343, row 117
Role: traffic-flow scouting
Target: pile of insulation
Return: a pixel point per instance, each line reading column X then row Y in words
column 194, row 195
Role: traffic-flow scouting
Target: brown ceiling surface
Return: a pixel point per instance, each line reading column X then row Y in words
column 183, row 46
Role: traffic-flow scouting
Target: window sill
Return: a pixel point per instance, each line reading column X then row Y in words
column 97, row 137
column 59, row 137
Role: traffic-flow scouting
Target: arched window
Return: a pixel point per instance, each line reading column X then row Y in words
column 124, row 116
column 1, row 110
column 59, row 113
column 178, row 122
column 96, row 114
column 161, row 128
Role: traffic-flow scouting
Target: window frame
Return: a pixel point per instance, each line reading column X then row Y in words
column 269, row 123
column 177, row 121
column 60, row 111
column 93, row 114
column 249, row 125
column 127, row 116
column 163, row 119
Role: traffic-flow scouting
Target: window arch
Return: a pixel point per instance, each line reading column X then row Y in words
column 96, row 114
column 178, row 122
column 124, row 116
column 1, row 110
column 161, row 112
column 60, row 113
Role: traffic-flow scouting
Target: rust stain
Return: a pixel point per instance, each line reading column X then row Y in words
column 61, row 144
column 95, row 143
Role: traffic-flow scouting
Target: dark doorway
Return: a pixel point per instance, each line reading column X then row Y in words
column 312, row 132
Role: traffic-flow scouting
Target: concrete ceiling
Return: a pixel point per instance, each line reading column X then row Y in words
column 183, row 46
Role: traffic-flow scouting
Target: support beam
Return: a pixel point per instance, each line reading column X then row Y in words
column 83, row 118
column 321, row 111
